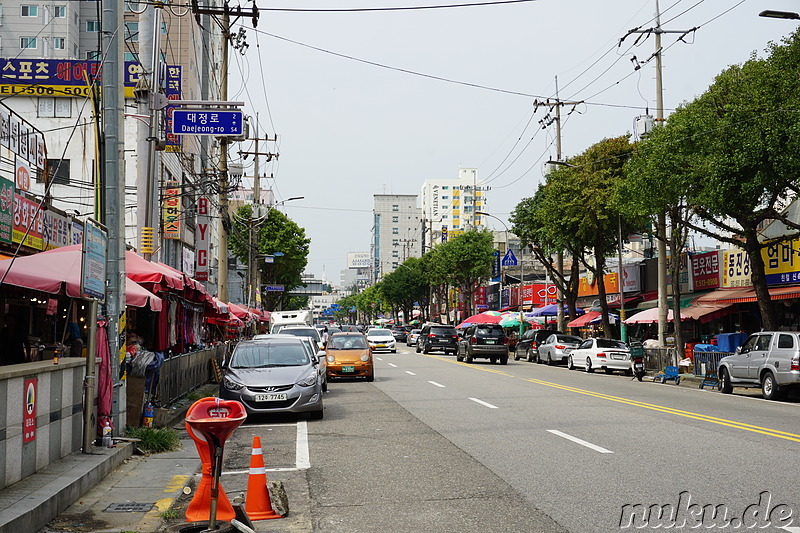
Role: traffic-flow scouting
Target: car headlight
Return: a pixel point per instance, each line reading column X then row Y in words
column 309, row 381
column 331, row 359
column 230, row 384
column 365, row 357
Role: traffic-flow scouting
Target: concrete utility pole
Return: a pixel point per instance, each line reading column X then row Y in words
column 557, row 105
column 661, row 221
column 114, row 169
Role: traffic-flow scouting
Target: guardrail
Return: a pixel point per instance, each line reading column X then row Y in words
column 183, row 373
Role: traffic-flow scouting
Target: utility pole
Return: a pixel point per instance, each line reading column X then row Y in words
column 661, row 221
column 114, row 170
column 557, row 105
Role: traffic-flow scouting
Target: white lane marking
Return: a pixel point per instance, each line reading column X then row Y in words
column 302, row 458
column 594, row 447
column 276, row 469
column 437, row 384
column 379, row 358
column 393, row 365
column 410, row 373
column 485, row 404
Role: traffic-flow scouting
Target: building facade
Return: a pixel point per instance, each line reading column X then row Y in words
column 396, row 233
column 449, row 206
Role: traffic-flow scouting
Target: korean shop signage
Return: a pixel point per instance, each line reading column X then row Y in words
column 57, row 77
column 172, row 211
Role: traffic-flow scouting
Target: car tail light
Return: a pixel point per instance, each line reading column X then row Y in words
column 431, row 335
column 454, row 336
column 795, row 365
column 601, row 355
column 534, row 345
column 559, row 347
column 473, row 340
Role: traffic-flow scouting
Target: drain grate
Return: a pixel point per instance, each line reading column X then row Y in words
column 129, row 507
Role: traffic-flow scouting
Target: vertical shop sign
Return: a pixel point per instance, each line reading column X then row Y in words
column 172, row 92
column 705, row 270
column 93, row 267
column 172, row 211
column 22, row 172
column 202, row 238
column 27, row 221
column 6, row 210
column 29, row 411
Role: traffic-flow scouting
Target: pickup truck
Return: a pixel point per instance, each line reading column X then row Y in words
column 767, row 359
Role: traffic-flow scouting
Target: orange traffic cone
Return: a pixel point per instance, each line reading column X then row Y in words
column 258, row 504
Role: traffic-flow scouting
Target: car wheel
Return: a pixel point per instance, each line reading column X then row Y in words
column 371, row 377
column 608, row 370
column 570, row 366
column 769, row 389
column 316, row 415
column 418, row 349
column 493, row 360
column 529, row 355
column 549, row 360
column 628, row 372
column 426, row 349
column 589, row 368
column 516, row 356
column 725, row 386
column 677, row 381
column 394, row 351
column 325, row 386
column 504, row 360
column 459, row 357
column 468, row 357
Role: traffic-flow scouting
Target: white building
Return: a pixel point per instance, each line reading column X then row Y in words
column 449, row 206
column 396, row 233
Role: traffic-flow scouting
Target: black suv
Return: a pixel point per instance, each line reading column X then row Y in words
column 529, row 343
column 483, row 340
column 437, row 337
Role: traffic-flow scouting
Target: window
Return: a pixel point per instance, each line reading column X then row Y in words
column 60, row 12
column 92, row 25
column 786, row 341
column 395, row 231
column 132, row 31
column 395, row 207
column 445, row 187
column 93, row 55
column 395, row 253
column 59, row 43
column 130, row 56
column 395, row 264
column 395, row 219
column 164, row 28
column 58, row 170
column 50, row 107
column 27, row 43
column 27, row 10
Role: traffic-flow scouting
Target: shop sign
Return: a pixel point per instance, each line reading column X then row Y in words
column 93, row 266
column 188, row 261
column 515, row 294
column 27, row 219
column 202, row 238
column 505, row 298
column 493, row 296
column 706, row 271
column 29, row 411
column 480, row 298
column 782, row 262
column 76, row 232
column 632, row 282
column 172, row 92
column 6, row 210
column 527, row 295
column 22, row 174
column 172, row 211
column 736, row 269
column 57, row 77
column 55, row 230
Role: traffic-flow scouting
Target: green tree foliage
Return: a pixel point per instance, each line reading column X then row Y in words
column 468, row 259
column 734, row 149
column 276, row 233
column 404, row 286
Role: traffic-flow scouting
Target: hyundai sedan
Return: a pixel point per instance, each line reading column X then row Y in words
column 608, row 354
column 275, row 375
column 381, row 339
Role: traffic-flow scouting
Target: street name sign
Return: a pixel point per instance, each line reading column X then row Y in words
column 219, row 122
column 273, row 288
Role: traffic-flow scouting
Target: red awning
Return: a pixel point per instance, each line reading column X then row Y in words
column 737, row 295
column 707, row 312
column 142, row 271
column 59, row 270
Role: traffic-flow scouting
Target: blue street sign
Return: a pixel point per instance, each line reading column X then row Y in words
column 273, row 288
column 219, row 122
column 509, row 260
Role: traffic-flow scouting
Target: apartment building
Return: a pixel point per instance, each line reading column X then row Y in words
column 449, row 206
column 396, row 232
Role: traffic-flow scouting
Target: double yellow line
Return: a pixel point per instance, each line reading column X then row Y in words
column 653, row 407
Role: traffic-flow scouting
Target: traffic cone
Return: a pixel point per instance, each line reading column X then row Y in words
column 199, row 508
column 258, row 504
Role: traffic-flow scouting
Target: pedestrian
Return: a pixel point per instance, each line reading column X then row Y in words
column 14, row 345
column 74, row 339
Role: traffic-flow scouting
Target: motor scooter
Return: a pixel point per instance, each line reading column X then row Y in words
column 637, row 360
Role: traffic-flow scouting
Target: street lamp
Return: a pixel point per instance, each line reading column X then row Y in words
column 769, row 13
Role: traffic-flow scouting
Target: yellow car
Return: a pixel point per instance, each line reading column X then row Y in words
column 349, row 356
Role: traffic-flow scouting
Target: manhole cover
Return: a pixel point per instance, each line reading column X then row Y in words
column 129, row 507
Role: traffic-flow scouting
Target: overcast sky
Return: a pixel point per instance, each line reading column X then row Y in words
column 351, row 127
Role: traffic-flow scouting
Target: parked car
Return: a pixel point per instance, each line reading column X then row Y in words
column 528, row 344
column 273, row 375
column 437, row 337
column 411, row 338
column 556, row 348
column 303, row 331
column 346, row 328
column 348, row 356
column 381, row 339
column 608, row 354
column 483, row 340
column 768, row 359
column 400, row 333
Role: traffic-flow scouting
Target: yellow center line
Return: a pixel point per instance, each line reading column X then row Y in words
column 635, row 403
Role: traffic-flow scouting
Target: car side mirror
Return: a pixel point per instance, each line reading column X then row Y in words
column 738, row 349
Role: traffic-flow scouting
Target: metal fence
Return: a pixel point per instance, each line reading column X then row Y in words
column 183, row 373
column 707, row 362
column 657, row 359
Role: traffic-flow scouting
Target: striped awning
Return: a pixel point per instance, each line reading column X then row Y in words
column 738, row 295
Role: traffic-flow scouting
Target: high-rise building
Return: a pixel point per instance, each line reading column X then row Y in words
column 396, row 233
column 449, row 206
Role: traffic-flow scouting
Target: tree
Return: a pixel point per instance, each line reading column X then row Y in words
column 736, row 144
column 436, row 274
column 404, row 286
column 468, row 258
column 277, row 233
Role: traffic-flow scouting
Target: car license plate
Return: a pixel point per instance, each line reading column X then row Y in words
column 445, row 340
column 617, row 356
column 348, row 369
column 638, row 366
column 270, row 397
column 380, row 346
column 489, row 341
column 567, row 350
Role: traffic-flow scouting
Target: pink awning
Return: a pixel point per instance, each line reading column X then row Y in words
column 142, row 271
column 59, row 270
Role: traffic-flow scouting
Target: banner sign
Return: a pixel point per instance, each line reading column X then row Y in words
column 493, row 296
column 29, row 411
column 27, row 219
column 496, row 266
column 358, row 259
column 6, row 210
column 57, row 77
column 202, row 238
column 505, row 298
column 55, row 230
column 22, row 174
column 444, row 233
column 172, row 211
column 172, row 92
column 736, row 269
column 76, row 232
column 782, row 262
column 706, row 270
column 93, row 266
